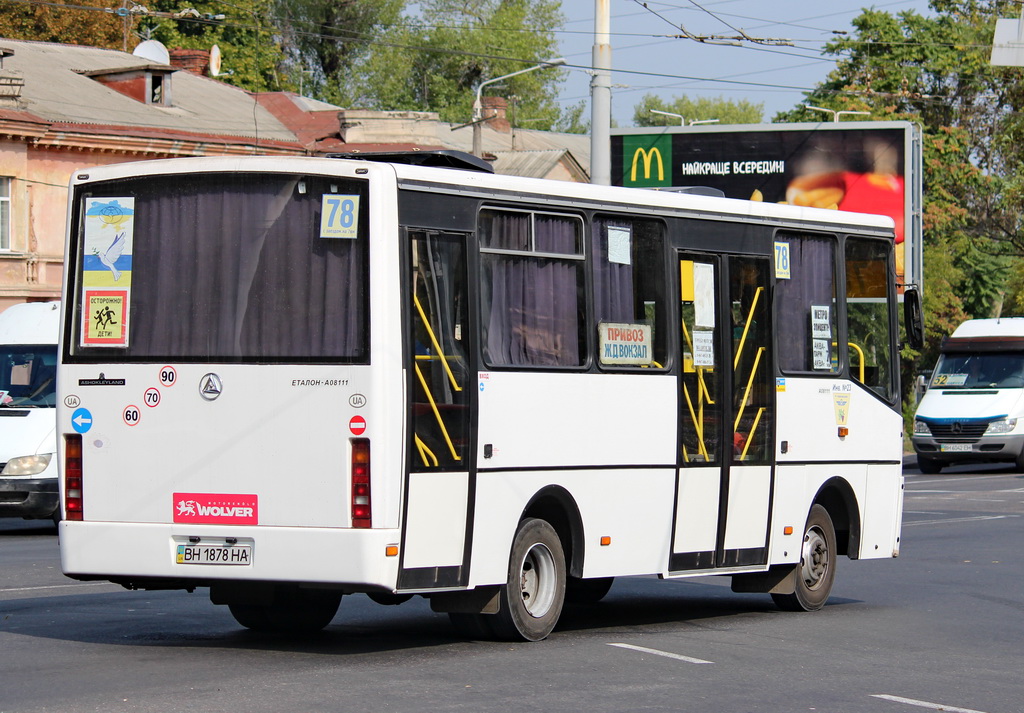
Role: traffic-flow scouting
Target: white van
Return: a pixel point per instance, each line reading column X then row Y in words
column 28, row 414
column 973, row 410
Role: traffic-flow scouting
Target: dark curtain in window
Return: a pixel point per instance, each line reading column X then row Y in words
column 531, row 304
column 813, row 283
column 235, row 268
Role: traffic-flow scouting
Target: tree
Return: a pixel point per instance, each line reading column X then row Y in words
column 726, row 111
column 435, row 61
column 60, row 21
column 326, row 39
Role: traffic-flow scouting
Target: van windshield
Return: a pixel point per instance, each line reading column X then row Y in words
column 1003, row 370
column 27, row 376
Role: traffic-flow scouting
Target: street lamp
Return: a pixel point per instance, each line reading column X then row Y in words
column 478, row 107
column 836, row 114
column 682, row 121
column 478, row 119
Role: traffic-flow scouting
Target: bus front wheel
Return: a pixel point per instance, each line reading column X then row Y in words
column 531, row 600
column 817, row 569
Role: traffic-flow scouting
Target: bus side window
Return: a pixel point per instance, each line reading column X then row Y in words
column 867, row 307
column 806, row 307
column 629, row 286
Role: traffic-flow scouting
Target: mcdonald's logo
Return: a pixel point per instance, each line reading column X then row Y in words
column 647, row 157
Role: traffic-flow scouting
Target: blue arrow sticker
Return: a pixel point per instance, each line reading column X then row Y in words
column 81, row 420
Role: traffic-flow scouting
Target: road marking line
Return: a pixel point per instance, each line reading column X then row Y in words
column 959, row 519
column 925, row 704
column 666, row 654
column 55, row 586
column 953, row 480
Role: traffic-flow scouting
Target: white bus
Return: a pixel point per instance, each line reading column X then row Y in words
column 291, row 379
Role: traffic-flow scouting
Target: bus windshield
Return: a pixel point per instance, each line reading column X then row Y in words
column 1002, row 370
column 27, row 376
column 221, row 268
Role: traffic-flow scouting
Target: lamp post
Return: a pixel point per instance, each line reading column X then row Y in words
column 836, row 114
column 478, row 105
column 682, row 120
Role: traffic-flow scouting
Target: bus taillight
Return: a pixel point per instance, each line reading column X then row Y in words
column 73, row 476
column 360, row 482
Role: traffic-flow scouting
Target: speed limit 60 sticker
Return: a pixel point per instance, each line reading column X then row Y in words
column 131, row 415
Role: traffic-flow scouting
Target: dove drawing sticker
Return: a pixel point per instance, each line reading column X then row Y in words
column 109, row 233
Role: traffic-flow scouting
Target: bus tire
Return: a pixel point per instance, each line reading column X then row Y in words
column 928, row 466
column 531, row 600
column 293, row 611
column 817, row 570
column 587, row 591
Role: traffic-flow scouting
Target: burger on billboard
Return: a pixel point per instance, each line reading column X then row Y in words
column 866, row 167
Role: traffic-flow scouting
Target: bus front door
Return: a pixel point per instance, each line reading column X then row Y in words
column 726, row 414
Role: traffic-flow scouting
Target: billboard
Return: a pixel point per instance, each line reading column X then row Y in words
column 864, row 166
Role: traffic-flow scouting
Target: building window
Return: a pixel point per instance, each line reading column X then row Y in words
column 5, row 213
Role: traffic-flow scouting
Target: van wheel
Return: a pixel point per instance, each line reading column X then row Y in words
column 293, row 611
column 817, row 570
column 531, row 600
column 928, row 466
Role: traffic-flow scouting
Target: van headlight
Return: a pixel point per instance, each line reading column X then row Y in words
column 27, row 465
column 921, row 428
column 1003, row 425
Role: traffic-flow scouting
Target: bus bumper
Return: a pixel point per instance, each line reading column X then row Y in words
column 146, row 556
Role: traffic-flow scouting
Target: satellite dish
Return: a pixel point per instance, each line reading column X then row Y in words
column 214, row 61
column 153, row 50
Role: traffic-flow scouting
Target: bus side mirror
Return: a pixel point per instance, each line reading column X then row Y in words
column 913, row 318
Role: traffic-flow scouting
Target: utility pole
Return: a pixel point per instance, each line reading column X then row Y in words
column 601, row 97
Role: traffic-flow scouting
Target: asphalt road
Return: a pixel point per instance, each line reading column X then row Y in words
column 940, row 628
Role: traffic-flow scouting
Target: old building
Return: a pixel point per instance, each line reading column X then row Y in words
column 66, row 108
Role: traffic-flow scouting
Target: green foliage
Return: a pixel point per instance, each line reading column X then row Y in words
column 326, row 39
column 247, row 38
column 54, row 22
column 726, row 111
column 573, row 120
column 434, row 62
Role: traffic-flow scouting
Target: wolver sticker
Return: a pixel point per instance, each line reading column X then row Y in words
column 216, row 508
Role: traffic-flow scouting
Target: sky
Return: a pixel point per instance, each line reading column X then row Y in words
column 647, row 59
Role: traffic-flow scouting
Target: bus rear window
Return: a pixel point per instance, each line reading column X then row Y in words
column 221, row 268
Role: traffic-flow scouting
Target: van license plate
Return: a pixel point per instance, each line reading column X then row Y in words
column 214, row 554
column 955, row 447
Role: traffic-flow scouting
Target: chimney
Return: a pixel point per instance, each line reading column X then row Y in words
column 192, row 61
column 495, row 109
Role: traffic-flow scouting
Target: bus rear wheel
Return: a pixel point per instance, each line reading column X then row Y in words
column 293, row 611
column 531, row 600
column 817, row 570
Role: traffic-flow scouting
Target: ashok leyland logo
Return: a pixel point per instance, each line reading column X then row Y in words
column 647, row 160
column 216, row 509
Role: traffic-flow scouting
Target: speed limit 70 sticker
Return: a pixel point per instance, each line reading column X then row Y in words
column 131, row 415
column 151, row 397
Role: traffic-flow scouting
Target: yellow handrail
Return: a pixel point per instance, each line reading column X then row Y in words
column 434, row 342
column 750, row 436
column 746, row 327
column 425, row 451
column 746, row 392
column 437, row 413
column 698, row 426
column 860, row 353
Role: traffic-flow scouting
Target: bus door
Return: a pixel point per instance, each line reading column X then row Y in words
column 439, row 400
column 726, row 413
